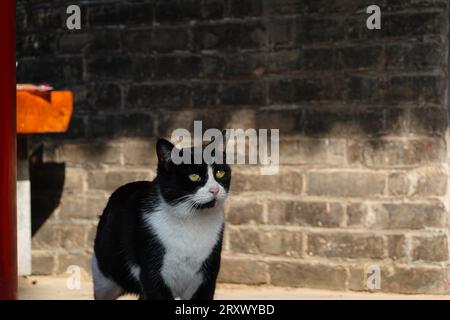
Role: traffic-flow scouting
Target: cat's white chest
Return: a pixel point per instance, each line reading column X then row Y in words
column 188, row 243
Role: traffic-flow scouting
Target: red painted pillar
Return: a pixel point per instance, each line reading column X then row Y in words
column 8, row 229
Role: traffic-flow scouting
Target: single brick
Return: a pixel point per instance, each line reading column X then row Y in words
column 406, row 216
column 430, row 248
column 239, row 212
column 177, row 67
column 357, row 280
column 313, row 275
column 277, row 242
column 160, row 39
column 287, row 181
column 345, row 245
column 111, row 67
column 314, row 214
column 345, row 183
column 418, row 89
column 43, row 262
column 230, row 36
column 243, row 271
column 294, row 90
column 414, row 56
column 422, row 182
column 360, row 57
column 158, row 96
column 312, row 151
column 396, row 153
column 416, row 280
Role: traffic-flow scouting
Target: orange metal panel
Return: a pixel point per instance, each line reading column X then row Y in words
column 43, row 112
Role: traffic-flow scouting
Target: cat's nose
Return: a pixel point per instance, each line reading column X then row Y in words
column 214, row 191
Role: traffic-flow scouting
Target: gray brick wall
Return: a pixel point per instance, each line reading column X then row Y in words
column 362, row 116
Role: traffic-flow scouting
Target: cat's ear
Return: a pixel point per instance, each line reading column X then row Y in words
column 164, row 150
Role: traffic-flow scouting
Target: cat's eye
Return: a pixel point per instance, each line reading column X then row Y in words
column 220, row 174
column 194, row 177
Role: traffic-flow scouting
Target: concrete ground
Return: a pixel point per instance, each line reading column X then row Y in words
column 56, row 288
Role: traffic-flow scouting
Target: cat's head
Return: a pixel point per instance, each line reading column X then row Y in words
column 196, row 186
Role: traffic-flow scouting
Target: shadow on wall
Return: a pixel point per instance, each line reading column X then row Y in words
column 47, row 182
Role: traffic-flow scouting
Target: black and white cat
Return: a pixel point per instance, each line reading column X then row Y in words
column 163, row 239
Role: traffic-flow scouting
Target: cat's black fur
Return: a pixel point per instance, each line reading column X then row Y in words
column 125, row 239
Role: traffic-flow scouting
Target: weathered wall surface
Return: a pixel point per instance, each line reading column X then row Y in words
column 362, row 117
